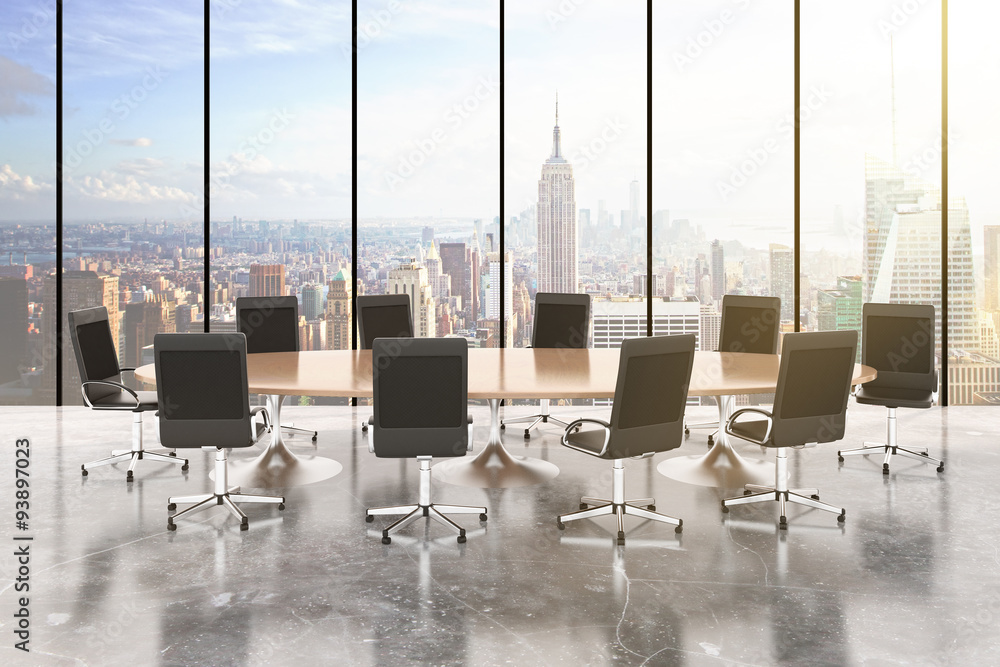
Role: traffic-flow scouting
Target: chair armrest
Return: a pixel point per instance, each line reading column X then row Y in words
column 260, row 410
column 735, row 415
column 127, row 368
column 109, row 383
column 574, row 425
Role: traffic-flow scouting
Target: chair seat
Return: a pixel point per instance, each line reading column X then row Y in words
column 591, row 441
column 893, row 397
column 754, row 430
column 123, row 401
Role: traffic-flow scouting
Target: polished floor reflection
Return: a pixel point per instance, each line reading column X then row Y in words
column 911, row 578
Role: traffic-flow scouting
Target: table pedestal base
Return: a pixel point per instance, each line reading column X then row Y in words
column 495, row 467
column 277, row 467
column 721, row 466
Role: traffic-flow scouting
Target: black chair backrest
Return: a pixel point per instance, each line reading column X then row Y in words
column 421, row 388
column 383, row 316
column 897, row 340
column 561, row 320
column 814, row 381
column 201, row 387
column 96, row 352
column 750, row 324
column 653, row 378
column 270, row 323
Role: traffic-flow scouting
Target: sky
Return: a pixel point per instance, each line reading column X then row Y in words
column 429, row 108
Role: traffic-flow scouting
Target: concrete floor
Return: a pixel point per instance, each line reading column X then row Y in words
column 911, row 578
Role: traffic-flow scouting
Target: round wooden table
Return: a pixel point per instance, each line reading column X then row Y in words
column 496, row 374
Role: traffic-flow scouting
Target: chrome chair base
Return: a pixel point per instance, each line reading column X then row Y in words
column 134, row 455
column 890, row 448
column 272, row 401
column 542, row 417
column 223, row 495
column 424, row 508
column 756, row 493
column 591, row 507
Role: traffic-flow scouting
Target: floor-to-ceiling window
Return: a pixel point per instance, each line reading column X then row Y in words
column 428, row 163
column 27, row 201
column 132, row 171
column 280, row 172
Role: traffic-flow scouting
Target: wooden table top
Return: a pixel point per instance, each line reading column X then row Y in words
column 508, row 373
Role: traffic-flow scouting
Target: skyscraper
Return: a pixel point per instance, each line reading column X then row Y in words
column 633, row 198
column 312, row 302
column 267, row 280
column 454, row 263
column 338, row 312
column 718, row 272
column 782, row 279
column 991, row 234
column 557, row 232
column 411, row 279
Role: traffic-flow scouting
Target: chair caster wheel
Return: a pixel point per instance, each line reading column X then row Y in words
column 386, row 539
column 584, row 506
column 244, row 526
column 128, row 476
column 369, row 518
column 679, row 529
column 364, row 428
column 171, row 525
column 782, row 523
column 503, row 427
column 815, row 496
column 172, row 454
column 171, row 507
column 747, row 492
column 560, row 525
column 885, row 468
column 687, row 431
column 840, row 458
column 185, row 467
column 621, row 538
column 461, row 539
column 527, row 434
column 711, row 440
column 940, row 468
column 651, row 508
column 83, row 471
column 281, row 506
column 843, row 517
column 483, row 517
column 724, row 508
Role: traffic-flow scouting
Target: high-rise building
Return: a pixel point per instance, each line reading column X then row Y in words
column 13, row 327
column 433, row 263
column 338, row 312
column 455, row 263
column 81, row 289
column 991, row 266
column 718, row 272
column 840, row 309
column 494, row 286
column 143, row 320
column 903, row 250
column 782, row 268
column 411, row 279
column 634, row 207
column 267, row 280
column 557, row 232
column 312, row 302
column 711, row 327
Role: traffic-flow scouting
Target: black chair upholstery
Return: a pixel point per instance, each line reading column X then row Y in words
column 201, row 383
column 271, row 324
column 647, row 417
column 383, row 316
column 103, row 388
column 560, row 321
column 749, row 324
column 897, row 340
column 810, row 406
column 412, row 422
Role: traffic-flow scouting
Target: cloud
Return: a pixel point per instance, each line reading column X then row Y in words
column 140, row 166
column 13, row 186
column 140, row 141
column 303, row 26
column 119, row 187
column 17, row 81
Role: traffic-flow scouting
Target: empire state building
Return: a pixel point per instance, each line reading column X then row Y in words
column 557, row 237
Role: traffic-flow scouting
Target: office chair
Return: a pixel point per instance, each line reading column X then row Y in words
column 201, row 384
column 749, row 324
column 271, row 324
column 412, row 422
column 383, row 316
column 897, row 340
column 647, row 417
column 561, row 321
column 102, row 387
column 810, row 406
